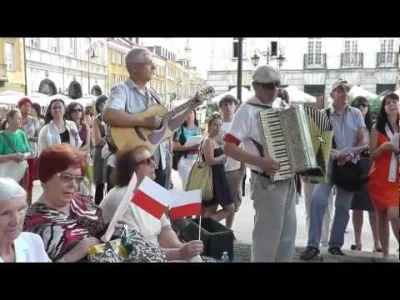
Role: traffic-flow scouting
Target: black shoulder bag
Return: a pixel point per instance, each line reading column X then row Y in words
column 349, row 176
column 177, row 155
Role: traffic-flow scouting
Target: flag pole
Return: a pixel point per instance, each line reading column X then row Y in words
column 200, row 229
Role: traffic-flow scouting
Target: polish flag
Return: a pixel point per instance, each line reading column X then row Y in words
column 185, row 204
column 152, row 197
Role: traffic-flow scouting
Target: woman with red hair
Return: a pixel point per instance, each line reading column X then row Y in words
column 30, row 125
column 68, row 222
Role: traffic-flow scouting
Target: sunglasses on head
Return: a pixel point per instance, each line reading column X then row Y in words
column 362, row 105
column 271, row 85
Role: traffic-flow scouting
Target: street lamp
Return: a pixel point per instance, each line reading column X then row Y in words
column 91, row 54
column 267, row 54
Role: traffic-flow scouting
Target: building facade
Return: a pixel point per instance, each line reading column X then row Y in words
column 174, row 78
column 71, row 66
column 12, row 67
column 118, row 48
column 310, row 64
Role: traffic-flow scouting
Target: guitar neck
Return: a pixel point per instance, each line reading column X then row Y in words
column 178, row 109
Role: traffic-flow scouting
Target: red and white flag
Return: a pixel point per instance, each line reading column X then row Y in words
column 152, row 197
column 185, row 204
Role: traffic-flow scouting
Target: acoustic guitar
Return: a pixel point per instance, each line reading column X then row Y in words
column 120, row 137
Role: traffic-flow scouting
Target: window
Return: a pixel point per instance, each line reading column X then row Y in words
column 351, row 46
column 380, row 88
column 72, row 47
column 9, row 56
column 387, row 49
column 318, row 91
column 53, row 45
column 113, row 57
column 314, row 55
column 34, row 42
column 119, row 58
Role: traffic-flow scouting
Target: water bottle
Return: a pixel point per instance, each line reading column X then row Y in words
column 225, row 257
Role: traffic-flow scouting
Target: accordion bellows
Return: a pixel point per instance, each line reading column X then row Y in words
column 300, row 139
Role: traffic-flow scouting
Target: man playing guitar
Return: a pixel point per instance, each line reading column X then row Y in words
column 132, row 96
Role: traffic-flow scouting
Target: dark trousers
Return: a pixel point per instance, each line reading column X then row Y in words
column 161, row 177
column 99, row 195
column 109, row 182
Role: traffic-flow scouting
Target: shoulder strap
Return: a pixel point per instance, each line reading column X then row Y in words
column 259, row 147
column 155, row 96
column 259, row 105
column 7, row 140
column 328, row 114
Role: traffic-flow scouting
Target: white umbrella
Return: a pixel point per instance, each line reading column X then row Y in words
column 357, row 91
column 66, row 99
column 86, row 100
column 296, row 95
column 246, row 94
column 40, row 98
column 11, row 97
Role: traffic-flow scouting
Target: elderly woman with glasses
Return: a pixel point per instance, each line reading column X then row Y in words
column 68, row 222
column 15, row 245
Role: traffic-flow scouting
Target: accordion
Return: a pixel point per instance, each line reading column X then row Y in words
column 300, row 139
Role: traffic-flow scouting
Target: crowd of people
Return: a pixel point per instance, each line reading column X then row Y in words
column 84, row 178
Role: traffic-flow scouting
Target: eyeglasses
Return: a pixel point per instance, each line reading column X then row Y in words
column 146, row 161
column 67, row 178
column 271, row 85
column 147, row 63
column 76, row 110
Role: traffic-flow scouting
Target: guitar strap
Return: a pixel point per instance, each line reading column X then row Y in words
column 155, row 96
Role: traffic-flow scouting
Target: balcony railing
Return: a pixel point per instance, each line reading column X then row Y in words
column 352, row 60
column 387, row 59
column 3, row 72
column 315, row 61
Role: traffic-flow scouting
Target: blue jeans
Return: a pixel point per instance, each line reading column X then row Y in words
column 341, row 217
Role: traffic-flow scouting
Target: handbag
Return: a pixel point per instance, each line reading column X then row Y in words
column 200, row 178
column 130, row 247
column 10, row 168
column 349, row 176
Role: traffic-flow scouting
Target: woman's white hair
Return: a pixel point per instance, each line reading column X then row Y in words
column 10, row 190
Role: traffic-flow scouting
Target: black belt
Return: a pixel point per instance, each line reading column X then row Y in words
column 261, row 174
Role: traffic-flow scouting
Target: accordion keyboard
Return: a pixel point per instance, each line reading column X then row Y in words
column 275, row 143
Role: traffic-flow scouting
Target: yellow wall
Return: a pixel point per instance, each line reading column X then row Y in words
column 16, row 77
column 116, row 70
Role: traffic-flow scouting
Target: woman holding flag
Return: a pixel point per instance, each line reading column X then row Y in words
column 142, row 215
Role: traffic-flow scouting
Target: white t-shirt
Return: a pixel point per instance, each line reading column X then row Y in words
column 231, row 164
column 29, row 247
column 245, row 126
column 134, row 217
